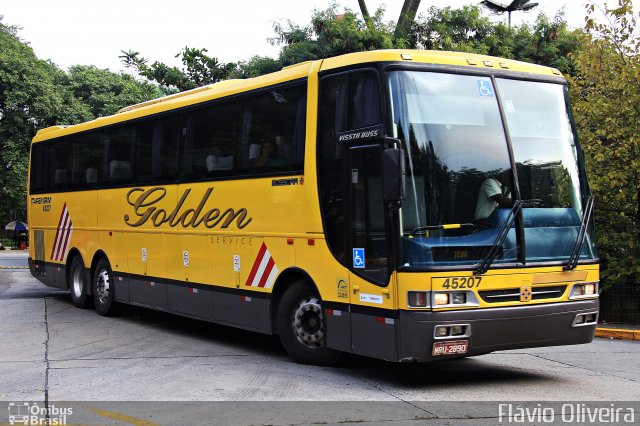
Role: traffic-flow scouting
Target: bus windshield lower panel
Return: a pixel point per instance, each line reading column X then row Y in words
column 461, row 178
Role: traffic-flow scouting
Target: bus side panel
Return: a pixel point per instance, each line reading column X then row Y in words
column 332, row 282
column 192, row 301
column 250, row 312
column 62, row 222
column 111, row 220
column 146, row 266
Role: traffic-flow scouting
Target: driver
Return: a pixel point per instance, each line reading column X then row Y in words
column 494, row 192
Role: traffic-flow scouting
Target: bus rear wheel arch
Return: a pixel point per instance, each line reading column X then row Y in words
column 301, row 325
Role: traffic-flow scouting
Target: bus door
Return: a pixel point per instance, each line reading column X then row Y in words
column 350, row 147
column 372, row 285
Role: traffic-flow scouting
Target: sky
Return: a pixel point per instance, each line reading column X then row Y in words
column 70, row 32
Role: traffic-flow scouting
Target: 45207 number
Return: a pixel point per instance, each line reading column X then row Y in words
column 461, row 282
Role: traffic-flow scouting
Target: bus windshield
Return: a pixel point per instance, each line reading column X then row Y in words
column 461, row 178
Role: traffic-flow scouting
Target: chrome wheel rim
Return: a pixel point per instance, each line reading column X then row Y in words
column 307, row 323
column 102, row 286
column 78, row 285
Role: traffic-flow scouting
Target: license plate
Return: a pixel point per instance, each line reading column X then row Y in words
column 450, row 348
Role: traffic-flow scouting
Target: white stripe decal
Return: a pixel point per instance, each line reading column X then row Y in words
column 262, row 265
column 66, row 244
column 272, row 277
column 63, row 223
column 63, row 236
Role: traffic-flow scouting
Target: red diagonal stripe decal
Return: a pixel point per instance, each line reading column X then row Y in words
column 64, row 231
column 267, row 272
column 256, row 264
column 58, row 230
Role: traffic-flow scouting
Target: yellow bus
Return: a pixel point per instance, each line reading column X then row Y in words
column 402, row 205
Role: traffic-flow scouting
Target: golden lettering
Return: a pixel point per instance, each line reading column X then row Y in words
column 144, row 208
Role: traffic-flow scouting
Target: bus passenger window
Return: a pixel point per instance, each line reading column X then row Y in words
column 211, row 138
column 273, row 137
column 144, row 153
column 60, row 155
column 85, row 159
column 119, row 149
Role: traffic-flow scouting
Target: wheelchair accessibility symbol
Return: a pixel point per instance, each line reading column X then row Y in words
column 358, row 258
column 485, row 89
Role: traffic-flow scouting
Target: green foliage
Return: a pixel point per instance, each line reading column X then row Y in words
column 255, row 67
column 199, row 69
column 30, row 99
column 332, row 33
column 35, row 94
column 105, row 92
column 606, row 101
column 548, row 42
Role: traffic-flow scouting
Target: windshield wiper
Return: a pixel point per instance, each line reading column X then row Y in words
column 582, row 233
column 420, row 230
column 502, row 235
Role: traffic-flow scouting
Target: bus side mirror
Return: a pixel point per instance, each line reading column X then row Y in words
column 393, row 172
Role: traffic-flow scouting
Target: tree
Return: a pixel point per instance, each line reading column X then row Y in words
column 332, row 33
column 405, row 20
column 35, row 94
column 105, row 92
column 548, row 42
column 30, row 99
column 606, row 101
column 199, row 69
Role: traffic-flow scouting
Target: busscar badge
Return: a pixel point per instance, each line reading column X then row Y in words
column 525, row 294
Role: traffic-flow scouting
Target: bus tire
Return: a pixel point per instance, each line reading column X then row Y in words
column 103, row 289
column 301, row 326
column 78, row 284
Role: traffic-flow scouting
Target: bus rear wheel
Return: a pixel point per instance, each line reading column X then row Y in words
column 301, row 326
column 78, row 284
column 103, row 289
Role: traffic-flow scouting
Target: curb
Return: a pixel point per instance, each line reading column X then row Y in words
column 14, row 267
column 618, row 333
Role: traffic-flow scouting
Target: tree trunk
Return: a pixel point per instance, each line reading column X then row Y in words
column 407, row 15
column 364, row 10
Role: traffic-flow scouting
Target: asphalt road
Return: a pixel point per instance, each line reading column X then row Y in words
column 51, row 351
column 13, row 258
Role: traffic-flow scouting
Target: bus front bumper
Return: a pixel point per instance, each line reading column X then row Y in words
column 494, row 329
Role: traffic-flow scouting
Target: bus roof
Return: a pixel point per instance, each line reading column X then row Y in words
column 229, row 87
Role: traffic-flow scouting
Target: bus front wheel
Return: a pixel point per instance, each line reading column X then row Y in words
column 78, row 284
column 301, row 326
column 103, row 289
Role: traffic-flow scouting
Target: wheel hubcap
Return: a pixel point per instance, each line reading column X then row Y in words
column 102, row 286
column 77, row 282
column 307, row 323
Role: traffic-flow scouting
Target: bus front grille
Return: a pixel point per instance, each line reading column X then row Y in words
column 513, row 294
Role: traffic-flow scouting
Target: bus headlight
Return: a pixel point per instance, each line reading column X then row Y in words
column 584, row 290
column 418, row 299
column 458, row 298
column 441, row 299
column 454, row 299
